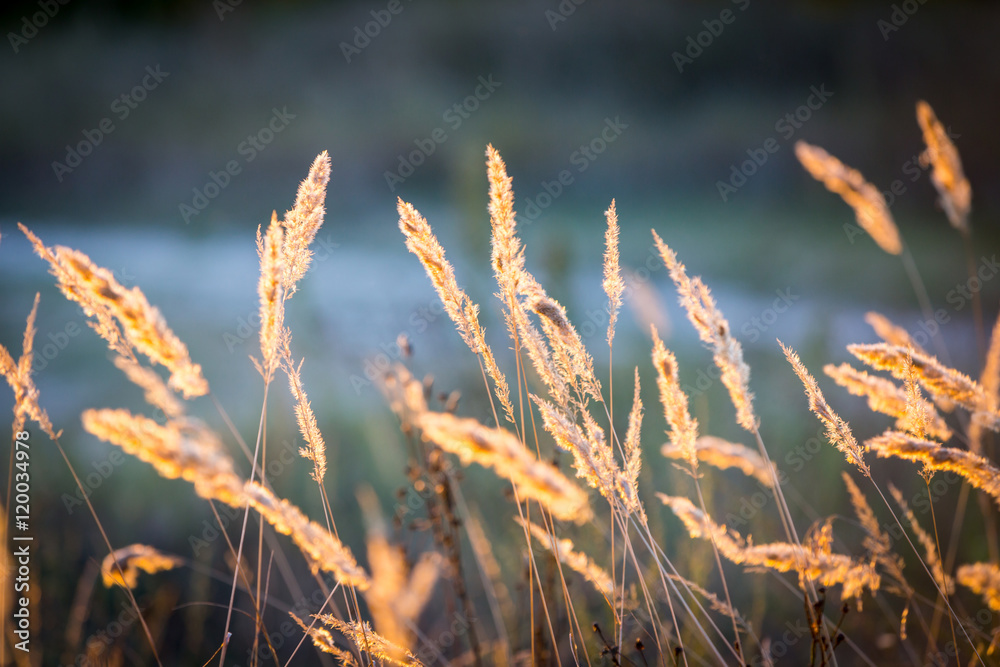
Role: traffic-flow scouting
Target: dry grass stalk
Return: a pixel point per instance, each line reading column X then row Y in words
column 633, row 451
column 879, row 545
column 18, row 376
column 142, row 326
column 947, row 176
column 323, row 640
column 723, row 454
column 979, row 472
column 683, row 427
column 813, row 560
column 577, row 561
column 931, row 556
column 837, row 430
column 868, row 203
column 303, row 222
column 368, row 641
column 714, row 330
column 614, row 286
column 935, row 377
column 982, row 579
column 189, row 450
column 720, row 606
column 133, row 559
column 315, row 449
column 155, row 390
column 272, row 300
column 887, row 398
column 421, row 241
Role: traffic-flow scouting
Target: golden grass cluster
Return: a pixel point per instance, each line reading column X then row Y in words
column 553, row 400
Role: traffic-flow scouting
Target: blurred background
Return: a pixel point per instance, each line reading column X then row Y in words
column 156, row 137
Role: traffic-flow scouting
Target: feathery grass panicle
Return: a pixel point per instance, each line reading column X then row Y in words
column 614, row 286
column 133, row 559
column 155, row 390
column 323, row 551
column 104, row 322
column 714, row 330
column 303, row 222
column 633, row 451
column 500, row 450
column 508, row 255
column 935, row 377
column 976, row 470
column 592, row 457
column 947, row 176
column 368, row 641
column 315, row 449
column 837, row 430
column 189, row 450
column 323, row 640
column 891, row 333
column 982, row 579
column 572, row 361
column 142, row 325
column 931, row 556
column 683, row 427
column 579, row 562
column 887, row 398
column 514, row 280
column 180, row 448
column 723, row 454
column 877, row 541
column 272, row 301
column 494, row 448
column 421, row 241
column 18, row 376
column 868, row 203
column 813, row 560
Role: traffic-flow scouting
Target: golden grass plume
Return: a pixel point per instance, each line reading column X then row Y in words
column 868, row 203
